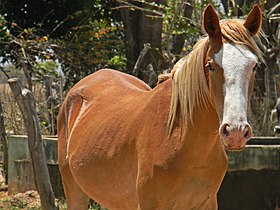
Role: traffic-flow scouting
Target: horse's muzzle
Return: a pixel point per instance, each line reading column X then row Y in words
column 234, row 137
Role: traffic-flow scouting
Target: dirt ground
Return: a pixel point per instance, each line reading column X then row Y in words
column 29, row 200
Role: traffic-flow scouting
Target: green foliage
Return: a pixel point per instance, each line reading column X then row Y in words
column 91, row 37
column 25, row 45
column 91, row 46
column 117, row 62
column 46, row 68
column 184, row 19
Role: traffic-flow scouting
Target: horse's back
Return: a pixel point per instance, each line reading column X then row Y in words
column 109, row 81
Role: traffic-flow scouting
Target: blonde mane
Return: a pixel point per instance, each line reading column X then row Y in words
column 189, row 88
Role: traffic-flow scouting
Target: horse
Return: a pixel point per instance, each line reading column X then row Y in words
column 128, row 146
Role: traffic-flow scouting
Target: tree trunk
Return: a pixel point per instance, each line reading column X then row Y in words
column 142, row 26
column 4, row 144
column 26, row 103
column 48, row 95
column 25, row 68
column 131, row 24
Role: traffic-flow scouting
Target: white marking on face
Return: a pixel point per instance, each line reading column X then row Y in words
column 237, row 62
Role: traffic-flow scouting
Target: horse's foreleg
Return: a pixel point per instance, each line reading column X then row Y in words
column 75, row 197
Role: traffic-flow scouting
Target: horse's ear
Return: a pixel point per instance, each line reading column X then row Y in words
column 211, row 22
column 254, row 20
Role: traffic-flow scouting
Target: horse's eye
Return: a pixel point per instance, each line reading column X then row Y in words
column 209, row 66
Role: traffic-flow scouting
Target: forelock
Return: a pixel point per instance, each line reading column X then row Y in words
column 233, row 31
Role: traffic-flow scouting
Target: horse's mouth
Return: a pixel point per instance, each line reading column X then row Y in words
column 233, row 148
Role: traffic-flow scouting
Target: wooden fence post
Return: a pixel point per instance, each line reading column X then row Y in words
column 26, row 103
column 4, row 144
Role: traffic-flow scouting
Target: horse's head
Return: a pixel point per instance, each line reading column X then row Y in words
column 229, row 67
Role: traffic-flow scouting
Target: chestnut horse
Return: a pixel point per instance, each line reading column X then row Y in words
column 131, row 147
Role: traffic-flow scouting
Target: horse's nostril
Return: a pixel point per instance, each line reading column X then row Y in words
column 246, row 135
column 247, row 132
column 225, row 130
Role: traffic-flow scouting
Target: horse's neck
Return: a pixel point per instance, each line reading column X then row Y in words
column 205, row 120
column 201, row 132
column 193, row 143
column 202, row 129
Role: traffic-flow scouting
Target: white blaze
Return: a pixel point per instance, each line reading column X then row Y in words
column 237, row 62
